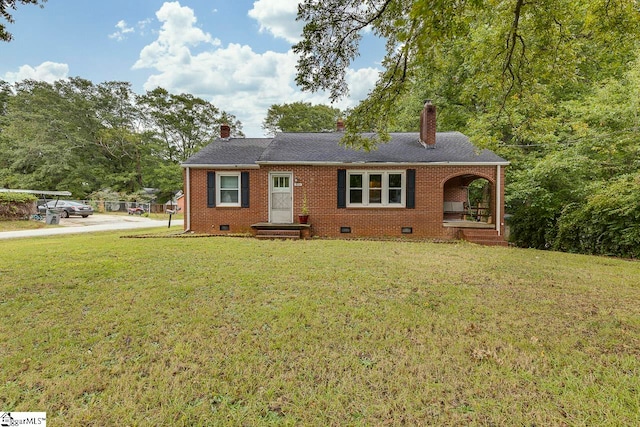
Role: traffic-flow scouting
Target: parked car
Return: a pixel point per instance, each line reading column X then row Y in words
column 67, row 208
column 138, row 210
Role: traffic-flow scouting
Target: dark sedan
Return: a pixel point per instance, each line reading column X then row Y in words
column 67, row 208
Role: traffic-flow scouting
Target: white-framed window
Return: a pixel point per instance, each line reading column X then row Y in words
column 228, row 188
column 376, row 188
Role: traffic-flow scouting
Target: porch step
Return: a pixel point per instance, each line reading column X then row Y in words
column 483, row 237
column 278, row 234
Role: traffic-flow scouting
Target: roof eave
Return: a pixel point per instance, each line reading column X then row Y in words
column 41, row 192
column 318, row 163
column 220, row 166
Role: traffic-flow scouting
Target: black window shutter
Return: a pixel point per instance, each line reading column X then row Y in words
column 244, row 185
column 411, row 188
column 211, row 189
column 342, row 188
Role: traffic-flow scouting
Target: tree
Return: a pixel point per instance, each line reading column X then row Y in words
column 538, row 196
column 72, row 135
column 77, row 136
column 496, row 56
column 5, row 5
column 607, row 223
column 183, row 123
column 42, row 143
column 5, row 94
column 604, row 124
column 120, row 136
column 300, row 117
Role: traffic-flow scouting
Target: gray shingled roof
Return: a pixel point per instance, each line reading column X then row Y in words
column 403, row 148
column 234, row 151
column 451, row 147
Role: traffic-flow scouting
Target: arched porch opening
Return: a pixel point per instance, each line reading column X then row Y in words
column 468, row 201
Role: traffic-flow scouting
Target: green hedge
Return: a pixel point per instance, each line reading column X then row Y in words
column 608, row 223
column 17, row 198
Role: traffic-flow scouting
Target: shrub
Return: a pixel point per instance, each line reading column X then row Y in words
column 16, row 205
column 17, row 198
column 539, row 195
column 608, row 223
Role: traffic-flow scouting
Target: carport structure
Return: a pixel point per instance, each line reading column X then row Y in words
column 42, row 193
column 51, row 218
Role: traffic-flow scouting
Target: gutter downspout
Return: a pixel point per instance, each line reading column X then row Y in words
column 498, row 201
column 187, row 198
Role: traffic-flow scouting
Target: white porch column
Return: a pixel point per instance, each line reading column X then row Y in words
column 187, row 199
column 498, row 200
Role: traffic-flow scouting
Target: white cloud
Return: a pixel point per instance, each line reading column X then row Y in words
column 142, row 25
column 278, row 18
column 123, row 29
column 47, row 71
column 234, row 78
column 361, row 81
column 177, row 33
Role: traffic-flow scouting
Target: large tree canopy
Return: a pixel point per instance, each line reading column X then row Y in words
column 475, row 56
column 78, row 136
column 5, row 11
column 300, row 117
column 184, row 123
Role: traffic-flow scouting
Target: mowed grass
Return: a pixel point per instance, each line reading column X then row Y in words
column 22, row 225
column 99, row 330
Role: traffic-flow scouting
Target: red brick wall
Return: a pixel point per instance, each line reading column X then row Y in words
column 320, row 185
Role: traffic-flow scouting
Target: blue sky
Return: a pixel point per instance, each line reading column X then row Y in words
column 236, row 54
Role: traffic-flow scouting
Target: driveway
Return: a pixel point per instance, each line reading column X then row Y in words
column 97, row 222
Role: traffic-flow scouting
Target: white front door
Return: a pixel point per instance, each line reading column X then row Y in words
column 280, row 198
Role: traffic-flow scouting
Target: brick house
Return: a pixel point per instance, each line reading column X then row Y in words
column 415, row 186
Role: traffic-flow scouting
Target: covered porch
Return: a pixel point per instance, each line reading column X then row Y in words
column 471, row 208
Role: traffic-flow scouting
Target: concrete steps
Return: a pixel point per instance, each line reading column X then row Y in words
column 483, row 237
column 278, row 234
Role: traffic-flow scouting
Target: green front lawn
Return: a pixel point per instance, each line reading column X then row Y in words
column 99, row 330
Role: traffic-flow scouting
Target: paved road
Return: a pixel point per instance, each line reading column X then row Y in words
column 93, row 223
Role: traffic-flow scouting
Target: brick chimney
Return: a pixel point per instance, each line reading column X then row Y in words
column 428, row 125
column 340, row 125
column 225, row 131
